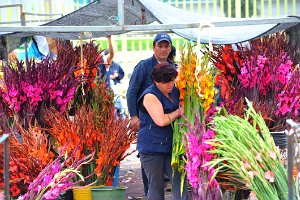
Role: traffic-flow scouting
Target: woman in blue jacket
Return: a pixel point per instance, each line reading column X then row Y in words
column 158, row 108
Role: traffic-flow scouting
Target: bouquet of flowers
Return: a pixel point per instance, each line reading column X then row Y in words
column 30, row 87
column 196, row 84
column 29, row 155
column 253, row 156
column 264, row 73
column 57, row 177
column 94, row 127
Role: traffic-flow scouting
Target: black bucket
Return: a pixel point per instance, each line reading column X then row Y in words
column 280, row 139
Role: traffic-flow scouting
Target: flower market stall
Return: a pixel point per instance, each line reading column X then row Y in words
column 62, row 124
column 64, row 132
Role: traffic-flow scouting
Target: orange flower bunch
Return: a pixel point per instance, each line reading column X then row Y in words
column 205, row 76
column 196, row 78
column 69, row 133
column 117, row 137
column 96, row 127
column 29, row 155
column 87, row 64
column 89, row 61
column 186, row 76
column 106, row 135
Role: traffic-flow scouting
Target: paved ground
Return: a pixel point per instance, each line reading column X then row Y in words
column 130, row 176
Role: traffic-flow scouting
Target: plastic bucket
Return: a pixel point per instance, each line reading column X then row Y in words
column 83, row 193
column 109, row 193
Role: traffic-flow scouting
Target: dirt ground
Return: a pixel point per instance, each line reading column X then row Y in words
column 130, row 176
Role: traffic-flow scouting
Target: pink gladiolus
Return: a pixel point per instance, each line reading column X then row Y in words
column 272, row 155
column 47, row 179
column 247, row 165
column 269, row 175
column 258, row 157
column 251, row 174
column 199, row 176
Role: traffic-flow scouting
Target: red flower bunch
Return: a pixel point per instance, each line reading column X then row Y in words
column 264, row 73
column 228, row 62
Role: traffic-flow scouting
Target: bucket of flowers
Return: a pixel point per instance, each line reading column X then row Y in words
column 95, row 126
column 265, row 73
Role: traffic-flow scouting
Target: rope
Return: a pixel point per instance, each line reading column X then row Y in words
column 81, row 63
column 199, row 53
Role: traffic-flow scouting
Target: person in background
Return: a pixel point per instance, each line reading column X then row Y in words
column 158, row 108
column 107, row 60
column 141, row 79
column 114, row 74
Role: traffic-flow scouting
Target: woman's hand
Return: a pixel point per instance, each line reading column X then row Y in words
column 180, row 110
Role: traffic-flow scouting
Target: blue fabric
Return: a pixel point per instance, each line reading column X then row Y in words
column 32, row 52
column 139, row 81
column 104, row 74
column 116, row 67
column 116, row 176
column 151, row 137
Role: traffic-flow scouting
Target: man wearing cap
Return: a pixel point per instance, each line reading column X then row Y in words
column 141, row 80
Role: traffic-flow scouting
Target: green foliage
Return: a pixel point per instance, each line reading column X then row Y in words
column 249, row 150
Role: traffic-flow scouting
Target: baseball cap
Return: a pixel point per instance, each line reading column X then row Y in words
column 162, row 37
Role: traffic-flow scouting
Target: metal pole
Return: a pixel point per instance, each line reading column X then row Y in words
column 290, row 153
column 121, row 12
column 78, row 29
column 23, row 23
column 6, row 170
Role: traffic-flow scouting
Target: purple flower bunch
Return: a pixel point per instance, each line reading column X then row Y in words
column 261, row 72
column 197, row 153
column 57, row 177
column 31, row 86
column 289, row 98
column 11, row 96
column 270, row 79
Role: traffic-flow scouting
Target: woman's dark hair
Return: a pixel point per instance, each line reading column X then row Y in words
column 172, row 53
column 164, row 73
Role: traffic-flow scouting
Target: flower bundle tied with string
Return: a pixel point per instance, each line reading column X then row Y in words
column 196, row 85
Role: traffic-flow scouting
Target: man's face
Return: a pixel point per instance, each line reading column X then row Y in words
column 162, row 51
